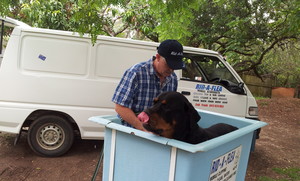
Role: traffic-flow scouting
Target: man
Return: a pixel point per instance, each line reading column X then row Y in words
column 143, row 82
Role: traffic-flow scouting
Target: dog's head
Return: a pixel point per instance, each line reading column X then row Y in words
column 171, row 116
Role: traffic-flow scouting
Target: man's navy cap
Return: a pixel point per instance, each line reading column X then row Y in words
column 172, row 51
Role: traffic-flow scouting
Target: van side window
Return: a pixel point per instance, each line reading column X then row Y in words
column 209, row 69
column 5, row 32
column 192, row 71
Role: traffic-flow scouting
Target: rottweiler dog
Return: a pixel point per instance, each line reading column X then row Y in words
column 173, row 116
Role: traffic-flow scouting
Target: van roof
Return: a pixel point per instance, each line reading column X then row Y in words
column 12, row 22
column 26, row 28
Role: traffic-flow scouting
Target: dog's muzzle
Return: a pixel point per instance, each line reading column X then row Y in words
column 153, row 130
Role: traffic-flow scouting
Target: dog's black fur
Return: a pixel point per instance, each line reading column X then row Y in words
column 173, row 116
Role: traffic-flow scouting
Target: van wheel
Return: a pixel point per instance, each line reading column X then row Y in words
column 50, row 136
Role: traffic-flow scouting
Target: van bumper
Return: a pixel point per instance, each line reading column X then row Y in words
column 12, row 118
column 257, row 132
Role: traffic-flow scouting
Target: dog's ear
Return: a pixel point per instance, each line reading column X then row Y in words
column 185, row 123
column 182, row 127
column 193, row 113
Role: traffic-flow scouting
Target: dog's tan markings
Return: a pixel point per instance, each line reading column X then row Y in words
column 158, row 123
column 164, row 101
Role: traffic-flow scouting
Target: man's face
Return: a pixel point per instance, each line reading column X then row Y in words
column 163, row 69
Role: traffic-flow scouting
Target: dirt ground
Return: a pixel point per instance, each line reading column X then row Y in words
column 278, row 147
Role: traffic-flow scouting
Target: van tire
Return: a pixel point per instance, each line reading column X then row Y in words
column 50, row 136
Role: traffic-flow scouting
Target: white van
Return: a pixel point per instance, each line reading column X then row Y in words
column 52, row 81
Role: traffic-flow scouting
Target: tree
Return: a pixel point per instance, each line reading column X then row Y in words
column 284, row 64
column 244, row 31
column 94, row 17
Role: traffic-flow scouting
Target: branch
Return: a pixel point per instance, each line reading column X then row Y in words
column 243, row 53
column 223, row 45
column 153, row 37
column 254, row 65
column 272, row 46
column 122, row 29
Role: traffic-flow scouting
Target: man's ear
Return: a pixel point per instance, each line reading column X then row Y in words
column 157, row 56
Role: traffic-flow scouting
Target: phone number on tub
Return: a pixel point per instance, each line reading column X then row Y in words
column 225, row 167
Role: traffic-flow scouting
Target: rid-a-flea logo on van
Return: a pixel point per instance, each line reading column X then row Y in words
column 209, row 96
column 215, row 88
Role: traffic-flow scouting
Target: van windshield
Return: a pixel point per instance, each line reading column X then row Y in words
column 209, row 69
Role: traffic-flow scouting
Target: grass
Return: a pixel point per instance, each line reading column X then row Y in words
column 288, row 174
column 7, row 136
column 262, row 103
column 259, row 98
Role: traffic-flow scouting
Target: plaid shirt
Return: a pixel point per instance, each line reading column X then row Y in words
column 140, row 85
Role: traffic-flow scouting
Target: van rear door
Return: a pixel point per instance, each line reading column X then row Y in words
column 209, row 84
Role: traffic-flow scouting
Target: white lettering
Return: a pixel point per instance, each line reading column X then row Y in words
column 177, row 53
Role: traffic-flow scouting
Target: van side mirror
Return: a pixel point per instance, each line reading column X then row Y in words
column 241, row 85
column 236, row 88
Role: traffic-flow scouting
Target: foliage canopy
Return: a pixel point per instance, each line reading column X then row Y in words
column 246, row 32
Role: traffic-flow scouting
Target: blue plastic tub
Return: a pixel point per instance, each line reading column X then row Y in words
column 133, row 155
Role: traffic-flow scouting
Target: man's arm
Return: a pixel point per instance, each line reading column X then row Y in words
column 128, row 115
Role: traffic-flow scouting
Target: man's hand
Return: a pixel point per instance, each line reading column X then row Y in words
column 128, row 115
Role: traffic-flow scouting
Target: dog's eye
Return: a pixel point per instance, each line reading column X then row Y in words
column 164, row 102
column 155, row 100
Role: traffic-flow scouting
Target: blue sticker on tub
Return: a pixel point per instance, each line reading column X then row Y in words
column 42, row 57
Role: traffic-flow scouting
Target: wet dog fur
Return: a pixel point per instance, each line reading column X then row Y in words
column 173, row 116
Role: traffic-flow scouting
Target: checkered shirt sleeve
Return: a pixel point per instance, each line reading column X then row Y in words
column 140, row 85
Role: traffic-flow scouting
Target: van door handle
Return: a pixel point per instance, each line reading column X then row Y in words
column 187, row 93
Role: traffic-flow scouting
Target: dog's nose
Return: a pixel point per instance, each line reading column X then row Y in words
column 143, row 117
